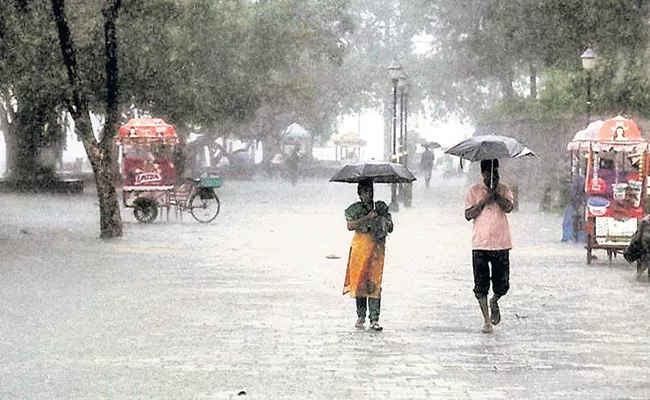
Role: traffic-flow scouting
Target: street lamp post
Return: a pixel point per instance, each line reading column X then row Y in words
column 407, row 188
column 405, row 88
column 400, row 147
column 588, row 59
column 396, row 73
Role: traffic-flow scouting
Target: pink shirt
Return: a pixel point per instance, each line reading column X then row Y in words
column 491, row 230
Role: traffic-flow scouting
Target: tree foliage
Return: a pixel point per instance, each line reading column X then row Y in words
column 194, row 62
column 215, row 63
column 29, row 87
column 250, row 68
column 482, row 44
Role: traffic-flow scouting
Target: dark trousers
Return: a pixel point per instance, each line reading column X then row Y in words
column 365, row 303
column 427, row 178
column 499, row 260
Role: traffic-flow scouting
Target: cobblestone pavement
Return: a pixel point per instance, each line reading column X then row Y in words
column 252, row 301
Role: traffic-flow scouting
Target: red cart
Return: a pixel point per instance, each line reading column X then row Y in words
column 147, row 148
column 615, row 183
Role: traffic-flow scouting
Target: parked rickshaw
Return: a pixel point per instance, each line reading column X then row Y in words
column 147, row 148
column 615, row 183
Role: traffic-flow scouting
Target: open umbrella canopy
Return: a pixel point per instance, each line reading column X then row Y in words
column 486, row 147
column 376, row 171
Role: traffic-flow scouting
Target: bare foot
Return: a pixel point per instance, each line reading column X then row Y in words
column 495, row 313
column 487, row 328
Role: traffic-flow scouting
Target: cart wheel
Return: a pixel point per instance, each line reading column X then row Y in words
column 145, row 210
column 204, row 205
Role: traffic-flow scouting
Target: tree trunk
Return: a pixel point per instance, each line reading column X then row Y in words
column 10, row 148
column 99, row 154
column 21, row 152
column 180, row 155
column 110, row 219
column 5, row 115
column 25, row 164
column 111, row 125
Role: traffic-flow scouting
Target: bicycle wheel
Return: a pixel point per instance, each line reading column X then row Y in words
column 145, row 210
column 204, row 205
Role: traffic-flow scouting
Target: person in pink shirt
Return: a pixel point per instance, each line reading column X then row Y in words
column 487, row 205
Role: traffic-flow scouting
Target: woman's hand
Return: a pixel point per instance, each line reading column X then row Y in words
column 371, row 215
column 352, row 225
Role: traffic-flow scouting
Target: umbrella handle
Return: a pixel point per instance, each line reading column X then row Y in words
column 491, row 175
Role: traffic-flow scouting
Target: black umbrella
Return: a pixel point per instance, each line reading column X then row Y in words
column 376, row 171
column 486, row 147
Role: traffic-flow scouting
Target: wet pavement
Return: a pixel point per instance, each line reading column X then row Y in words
column 252, row 301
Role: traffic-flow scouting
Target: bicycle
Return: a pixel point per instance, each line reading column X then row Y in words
column 198, row 196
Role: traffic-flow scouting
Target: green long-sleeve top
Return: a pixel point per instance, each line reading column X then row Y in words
column 376, row 226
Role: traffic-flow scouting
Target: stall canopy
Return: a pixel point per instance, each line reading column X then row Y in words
column 615, row 134
column 154, row 129
column 618, row 129
column 295, row 132
column 349, row 139
column 583, row 137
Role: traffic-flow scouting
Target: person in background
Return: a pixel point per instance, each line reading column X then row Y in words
column 371, row 223
column 635, row 162
column 574, row 216
column 291, row 165
column 608, row 175
column 639, row 248
column 487, row 205
column 426, row 164
column 275, row 166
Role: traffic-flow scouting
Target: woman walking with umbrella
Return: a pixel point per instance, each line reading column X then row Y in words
column 371, row 223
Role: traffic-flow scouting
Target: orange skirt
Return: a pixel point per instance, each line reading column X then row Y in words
column 365, row 267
